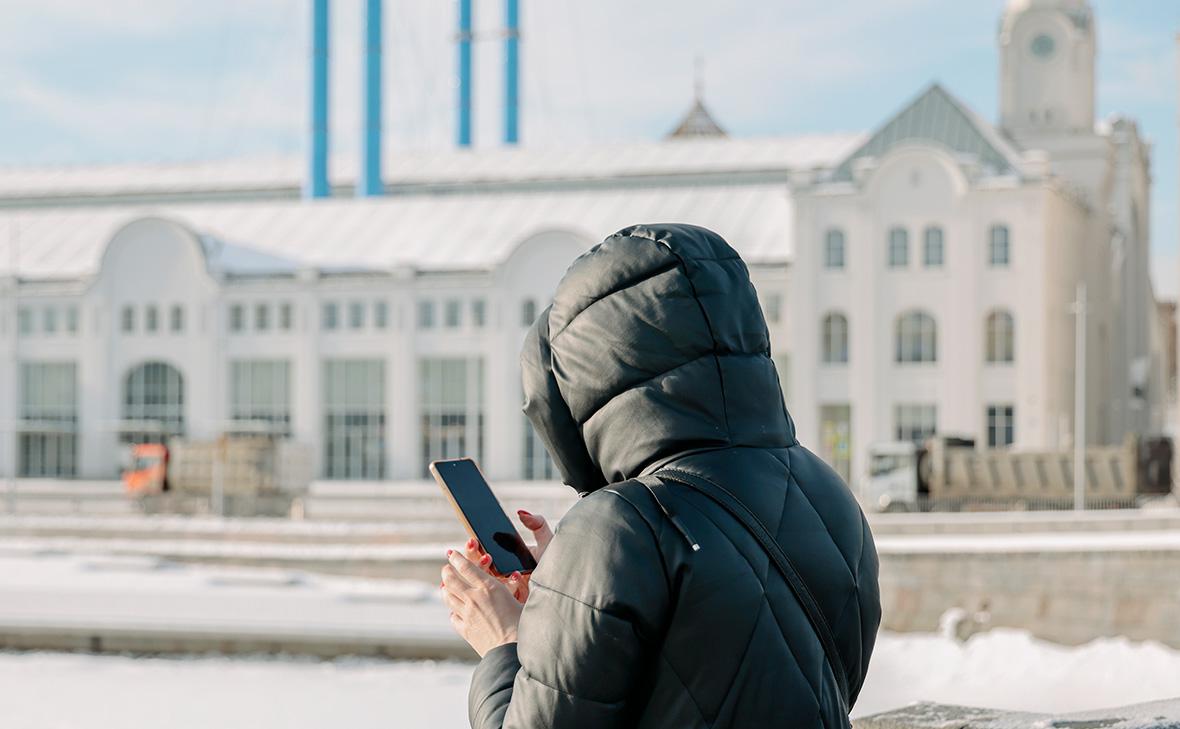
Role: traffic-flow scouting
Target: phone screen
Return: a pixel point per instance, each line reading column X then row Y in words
column 484, row 515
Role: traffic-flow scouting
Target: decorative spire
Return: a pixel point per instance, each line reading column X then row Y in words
column 698, row 122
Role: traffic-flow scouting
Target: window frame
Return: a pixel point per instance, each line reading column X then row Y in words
column 897, row 240
column 835, row 249
column 834, row 350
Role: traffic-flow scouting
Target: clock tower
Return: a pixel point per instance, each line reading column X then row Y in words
column 1047, row 52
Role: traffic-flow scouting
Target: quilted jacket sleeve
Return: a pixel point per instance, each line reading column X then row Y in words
column 590, row 631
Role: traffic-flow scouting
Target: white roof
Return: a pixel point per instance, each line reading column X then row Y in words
column 700, row 156
column 428, row 232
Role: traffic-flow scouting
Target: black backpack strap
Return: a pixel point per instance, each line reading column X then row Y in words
column 738, row 510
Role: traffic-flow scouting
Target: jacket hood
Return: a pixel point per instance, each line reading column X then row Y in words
column 654, row 347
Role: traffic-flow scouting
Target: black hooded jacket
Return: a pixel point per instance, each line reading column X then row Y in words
column 655, row 352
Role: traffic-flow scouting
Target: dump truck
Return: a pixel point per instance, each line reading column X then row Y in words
column 951, row 474
column 235, row 476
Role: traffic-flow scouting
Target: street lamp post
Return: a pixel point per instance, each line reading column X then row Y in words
column 1079, row 400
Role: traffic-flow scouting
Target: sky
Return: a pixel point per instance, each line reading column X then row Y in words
column 141, row 80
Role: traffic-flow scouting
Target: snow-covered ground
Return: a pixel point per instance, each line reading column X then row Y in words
column 1000, row 669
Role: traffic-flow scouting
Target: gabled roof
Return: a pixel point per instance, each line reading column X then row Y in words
column 698, row 122
column 938, row 117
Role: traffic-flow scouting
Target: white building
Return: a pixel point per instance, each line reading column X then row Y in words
column 917, row 279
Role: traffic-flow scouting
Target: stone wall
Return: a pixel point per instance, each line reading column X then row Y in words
column 1155, row 715
column 1068, row 588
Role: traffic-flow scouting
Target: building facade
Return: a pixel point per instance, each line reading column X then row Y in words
column 918, row 279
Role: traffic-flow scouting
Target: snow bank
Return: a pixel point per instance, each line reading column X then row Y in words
column 1003, row 669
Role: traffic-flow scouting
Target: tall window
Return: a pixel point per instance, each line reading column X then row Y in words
column 237, row 318
column 1001, row 426
column 151, row 318
column 286, row 316
column 48, row 440
column 381, row 314
column 354, row 418
column 452, row 311
column 479, row 313
column 834, row 339
column 330, row 316
column 260, row 395
column 528, row 312
column 425, row 314
column 999, row 337
column 262, row 317
column 916, row 338
column 835, row 435
column 932, row 253
column 24, row 317
column 127, row 319
column 998, row 243
column 153, row 403
column 899, row 248
column 49, row 320
column 356, row 315
column 451, row 408
column 177, row 318
column 72, row 319
column 834, row 248
column 536, row 465
column 915, row 422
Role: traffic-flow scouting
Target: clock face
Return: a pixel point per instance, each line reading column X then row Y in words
column 1043, row 46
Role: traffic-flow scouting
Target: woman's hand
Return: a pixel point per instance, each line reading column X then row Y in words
column 484, row 611
column 520, row 585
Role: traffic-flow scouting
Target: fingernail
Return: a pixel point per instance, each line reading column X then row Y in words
column 485, row 559
column 522, row 512
column 450, row 552
column 441, row 584
column 471, row 544
column 514, row 576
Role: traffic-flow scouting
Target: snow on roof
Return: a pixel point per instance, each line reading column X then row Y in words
column 703, row 156
column 425, row 232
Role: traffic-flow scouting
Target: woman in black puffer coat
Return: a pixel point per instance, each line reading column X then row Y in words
column 653, row 606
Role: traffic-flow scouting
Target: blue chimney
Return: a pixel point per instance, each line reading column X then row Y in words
column 317, row 179
column 464, row 131
column 370, row 182
column 511, row 71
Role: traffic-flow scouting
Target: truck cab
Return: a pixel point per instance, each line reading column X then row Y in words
column 892, row 481
column 148, row 471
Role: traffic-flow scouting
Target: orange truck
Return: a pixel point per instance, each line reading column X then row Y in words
column 148, row 472
column 231, row 475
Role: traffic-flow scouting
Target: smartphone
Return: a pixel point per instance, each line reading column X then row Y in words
column 482, row 515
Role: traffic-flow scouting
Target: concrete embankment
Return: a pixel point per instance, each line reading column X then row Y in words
column 1154, row 715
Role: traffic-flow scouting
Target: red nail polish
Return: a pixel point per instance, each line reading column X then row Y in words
column 522, row 512
column 450, row 552
column 485, row 559
column 516, row 575
column 471, row 544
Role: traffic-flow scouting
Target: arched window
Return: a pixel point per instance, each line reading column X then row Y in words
column 899, row 248
column 153, row 403
column 998, row 246
column 932, row 253
column 999, row 343
column 834, row 249
column 917, row 338
column 834, row 338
